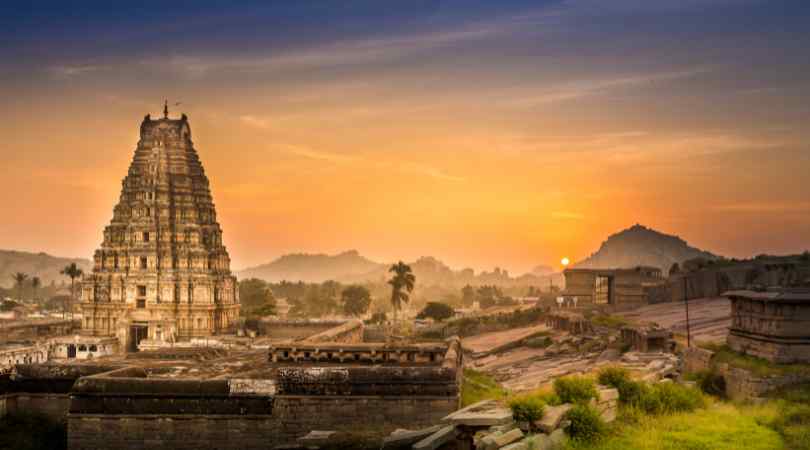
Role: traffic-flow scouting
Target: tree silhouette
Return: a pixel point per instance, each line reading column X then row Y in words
column 35, row 284
column 436, row 311
column 19, row 280
column 401, row 285
column 72, row 271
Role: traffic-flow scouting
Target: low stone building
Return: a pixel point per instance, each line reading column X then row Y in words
column 619, row 288
column 773, row 324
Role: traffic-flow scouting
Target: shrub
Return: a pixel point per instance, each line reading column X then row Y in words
column 574, row 389
column 527, row 408
column 613, row 376
column 661, row 398
column 586, row 425
column 674, row 398
column 631, row 392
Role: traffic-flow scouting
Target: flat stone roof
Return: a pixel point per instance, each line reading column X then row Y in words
column 796, row 295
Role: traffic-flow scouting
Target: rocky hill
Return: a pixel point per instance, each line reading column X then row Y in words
column 313, row 267
column 642, row 246
column 41, row 265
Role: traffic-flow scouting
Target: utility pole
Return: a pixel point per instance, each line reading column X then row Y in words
column 686, row 303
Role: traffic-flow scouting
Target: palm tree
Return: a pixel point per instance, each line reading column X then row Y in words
column 72, row 271
column 35, row 284
column 19, row 280
column 403, row 279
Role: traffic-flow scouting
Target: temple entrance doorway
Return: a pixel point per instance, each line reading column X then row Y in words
column 137, row 332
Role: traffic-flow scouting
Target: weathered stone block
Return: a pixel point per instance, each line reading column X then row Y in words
column 552, row 417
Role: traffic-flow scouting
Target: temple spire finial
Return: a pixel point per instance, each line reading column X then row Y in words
column 165, row 109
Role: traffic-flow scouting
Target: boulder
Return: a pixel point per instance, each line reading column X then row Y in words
column 317, row 438
column 508, row 438
column 539, row 442
column 437, row 439
column 401, row 439
column 552, row 417
column 500, row 416
column 557, row 438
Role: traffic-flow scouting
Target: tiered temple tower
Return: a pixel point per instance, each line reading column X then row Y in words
column 162, row 273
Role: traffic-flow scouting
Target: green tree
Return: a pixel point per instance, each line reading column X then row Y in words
column 19, row 281
column 401, row 285
column 256, row 298
column 356, row 299
column 35, row 285
column 436, row 311
column 72, row 271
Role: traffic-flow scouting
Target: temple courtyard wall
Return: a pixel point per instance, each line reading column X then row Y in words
column 127, row 409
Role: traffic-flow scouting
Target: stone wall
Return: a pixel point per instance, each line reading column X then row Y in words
column 742, row 384
column 292, row 329
column 331, row 353
column 348, row 333
column 367, row 418
column 41, row 388
column 696, row 359
column 574, row 323
column 127, row 409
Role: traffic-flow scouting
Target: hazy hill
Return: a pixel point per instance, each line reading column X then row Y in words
column 41, row 265
column 313, row 267
column 351, row 267
column 639, row 245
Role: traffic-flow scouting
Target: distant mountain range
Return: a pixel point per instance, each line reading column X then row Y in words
column 351, row 267
column 642, row 246
column 41, row 265
column 637, row 245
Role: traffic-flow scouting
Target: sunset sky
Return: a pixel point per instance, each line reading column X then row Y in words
column 485, row 133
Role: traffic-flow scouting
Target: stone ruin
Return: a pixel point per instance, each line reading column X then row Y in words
column 648, row 338
column 214, row 397
column 774, row 324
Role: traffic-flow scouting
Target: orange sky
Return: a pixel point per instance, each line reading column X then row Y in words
column 451, row 143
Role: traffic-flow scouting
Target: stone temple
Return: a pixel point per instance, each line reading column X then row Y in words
column 162, row 273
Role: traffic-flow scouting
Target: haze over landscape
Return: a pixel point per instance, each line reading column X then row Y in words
column 484, row 134
column 405, row 225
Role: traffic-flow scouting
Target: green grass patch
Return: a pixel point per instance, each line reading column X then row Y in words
column 479, row 386
column 758, row 366
column 719, row 427
column 610, row 321
column 788, row 412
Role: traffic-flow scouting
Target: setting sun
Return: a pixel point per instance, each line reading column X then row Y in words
column 565, row 261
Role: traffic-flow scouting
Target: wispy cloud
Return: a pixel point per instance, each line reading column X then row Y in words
column 358, row 51
column 320, row 155
column 579, row 89
column 70, row 71
column 342, row 159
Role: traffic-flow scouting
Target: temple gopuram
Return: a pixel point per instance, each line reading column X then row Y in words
column 162, row 273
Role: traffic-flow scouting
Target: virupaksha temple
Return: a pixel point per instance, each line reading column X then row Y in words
column 162, row 273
